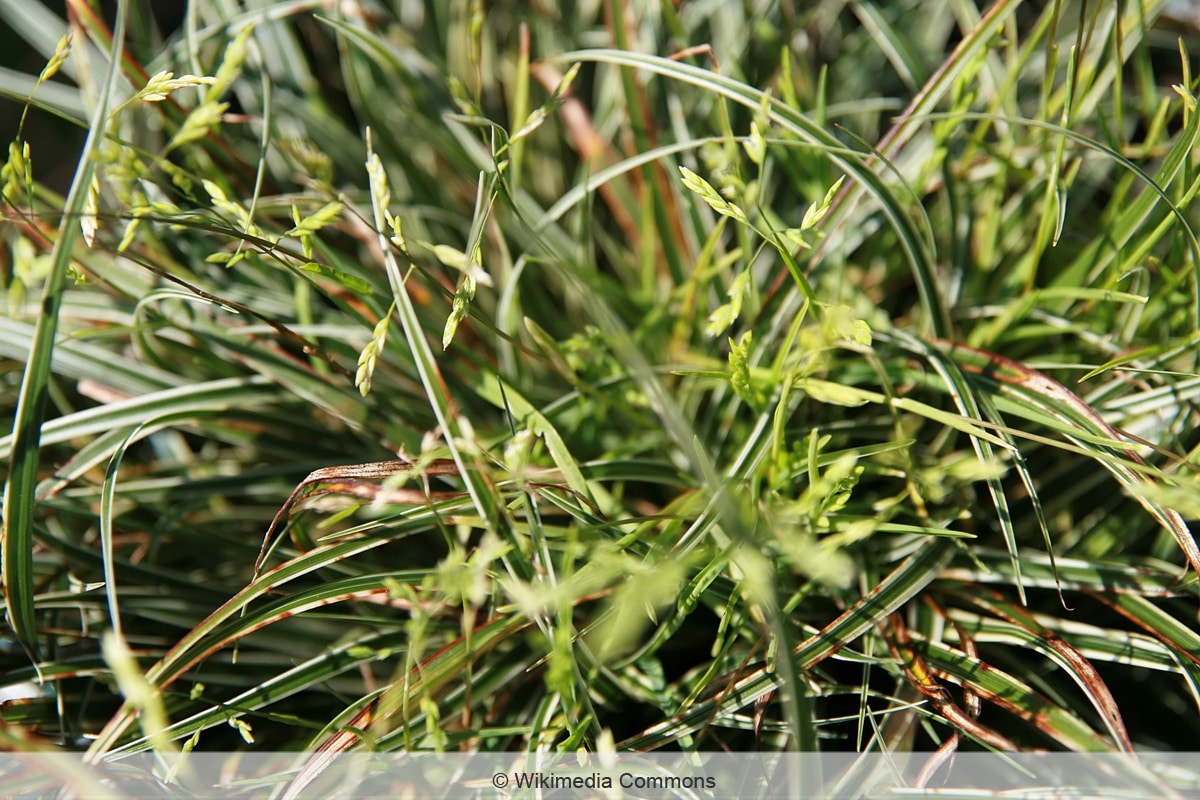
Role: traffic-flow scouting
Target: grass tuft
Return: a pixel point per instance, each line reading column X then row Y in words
column 665, row 377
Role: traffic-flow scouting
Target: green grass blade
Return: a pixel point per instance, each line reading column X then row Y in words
column 19, row 489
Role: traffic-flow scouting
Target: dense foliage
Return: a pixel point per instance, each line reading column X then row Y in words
column 766, row 375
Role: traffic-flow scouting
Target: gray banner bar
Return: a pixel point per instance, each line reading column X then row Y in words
column 747, row 776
